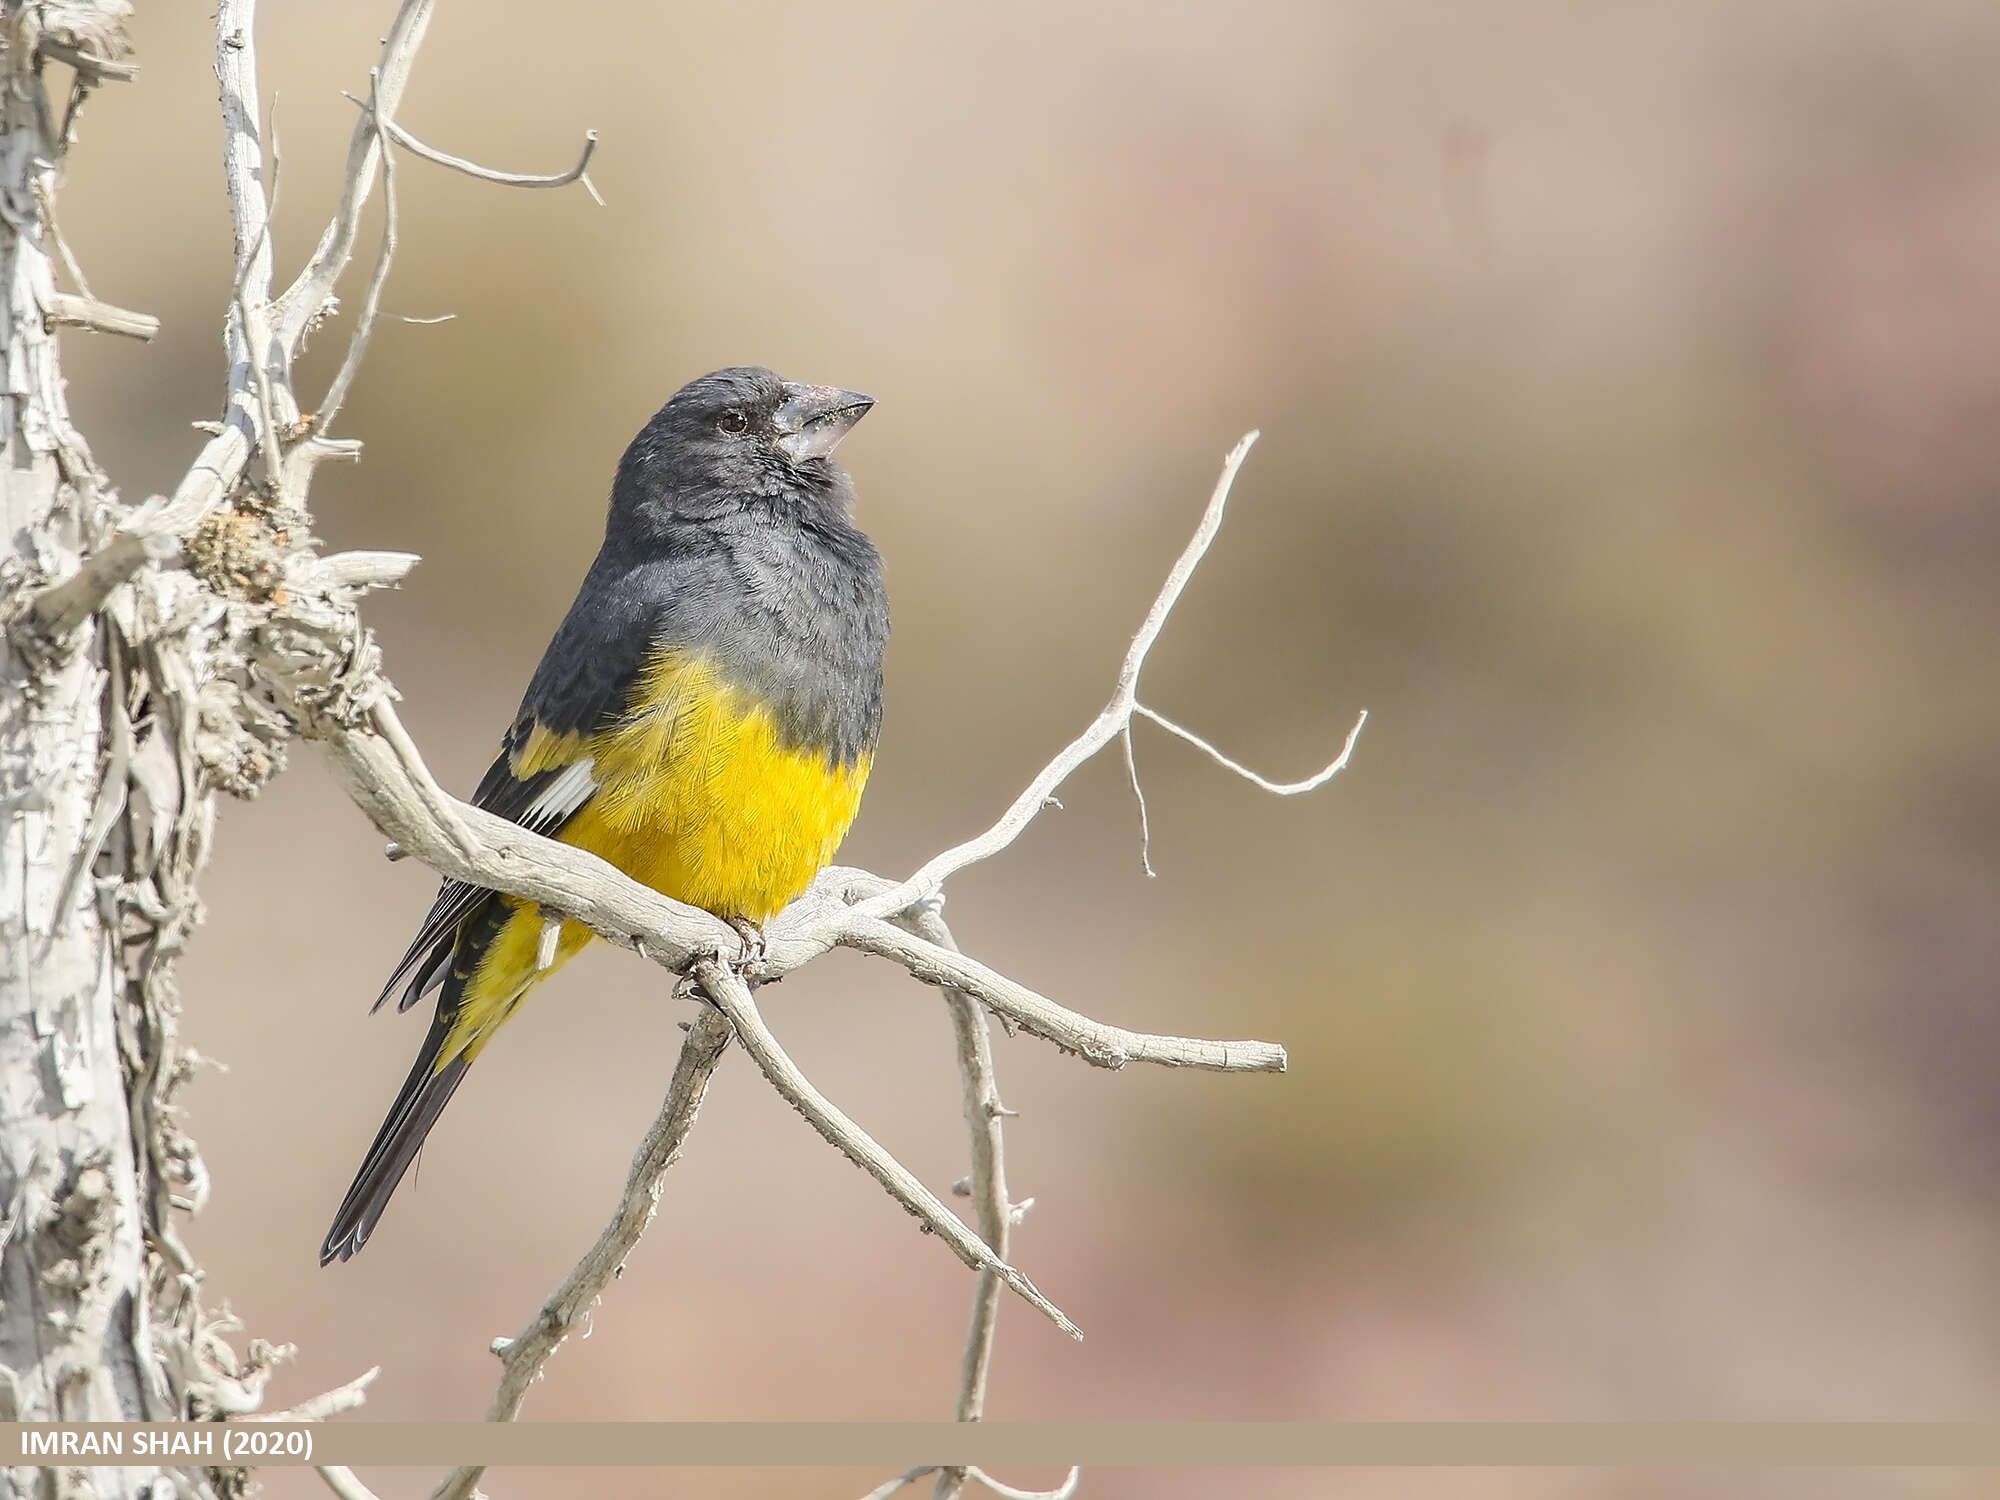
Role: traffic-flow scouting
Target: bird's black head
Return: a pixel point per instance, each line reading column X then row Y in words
column 739, row 439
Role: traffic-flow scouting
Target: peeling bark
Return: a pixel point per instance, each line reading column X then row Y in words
column 106, row 813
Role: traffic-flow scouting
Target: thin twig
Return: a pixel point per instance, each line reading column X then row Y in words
column 522, row 1357
column 1318, row 778
column 1094, row 1041
column 371, row 300
column 986, row 1184
column 327, row 1404
column 1117, row 714
column 984, row 1117
column 578, row 173
column 216, row 470
column 1139, row 792
column 305, row 300
column 731, row 995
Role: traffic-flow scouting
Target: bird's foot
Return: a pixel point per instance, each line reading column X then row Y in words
column 752, row 957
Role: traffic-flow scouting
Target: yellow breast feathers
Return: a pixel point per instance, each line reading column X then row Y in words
column 697, row 798
column 691, row 793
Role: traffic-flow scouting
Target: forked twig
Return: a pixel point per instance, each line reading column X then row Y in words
column 732, row 997
column 986, row 1184
column 523, row 1356
column 1115, row 720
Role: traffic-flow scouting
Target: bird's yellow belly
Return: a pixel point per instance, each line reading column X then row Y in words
column 698, row 799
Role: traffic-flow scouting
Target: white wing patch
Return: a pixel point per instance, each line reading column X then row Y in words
column 563, row 796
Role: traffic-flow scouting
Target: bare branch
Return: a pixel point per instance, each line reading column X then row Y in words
column 208, row 481
column 523, row 1356
column 256, row 400
column 1095, row 1042
column 59, row 610
column 986, row 1186
column 732, row 996
column 578, row 173
column 1319, row 778
column 371, row 300
column 1115, row 718
column 69, row 311
column 327, row 1404
column 439, row 803
column 400, row 797
column 89, row 64
column 404, row 801
column 362, row 570
column 305, row 300
column 383, row 771
column 1138, row 791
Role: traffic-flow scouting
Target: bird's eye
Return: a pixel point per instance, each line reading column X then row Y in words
column 732, row 421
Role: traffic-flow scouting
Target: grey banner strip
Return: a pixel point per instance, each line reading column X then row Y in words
column 899, row 1445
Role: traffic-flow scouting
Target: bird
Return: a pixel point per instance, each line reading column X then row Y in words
column 705, row 718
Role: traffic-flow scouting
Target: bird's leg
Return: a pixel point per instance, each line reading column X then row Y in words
column 746, row 962
column 753, row 942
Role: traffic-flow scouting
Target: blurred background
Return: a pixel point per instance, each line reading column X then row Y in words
column 1630, row 386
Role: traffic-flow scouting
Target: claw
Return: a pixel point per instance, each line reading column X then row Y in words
column 752, row 955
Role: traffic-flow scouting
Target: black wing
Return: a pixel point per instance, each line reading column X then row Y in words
column 543, row 774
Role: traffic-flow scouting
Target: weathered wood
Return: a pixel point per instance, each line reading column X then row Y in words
column 73, row 1272
column 105, row 818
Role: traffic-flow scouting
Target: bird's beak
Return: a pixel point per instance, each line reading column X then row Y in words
column 813, row 419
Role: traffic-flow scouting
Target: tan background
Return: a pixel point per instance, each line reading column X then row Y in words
column 1631, row 389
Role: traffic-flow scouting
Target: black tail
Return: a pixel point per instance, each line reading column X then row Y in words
column 425, row 1093
column 455, row 961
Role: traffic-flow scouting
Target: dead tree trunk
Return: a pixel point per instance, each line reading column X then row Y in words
column 74, row 1270
column 105, row 815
